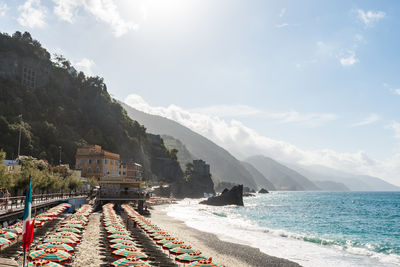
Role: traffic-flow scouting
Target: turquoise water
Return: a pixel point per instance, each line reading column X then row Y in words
column 311, row 228
column 352, row 219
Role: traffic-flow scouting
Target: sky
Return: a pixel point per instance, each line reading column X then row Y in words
column 308, row 82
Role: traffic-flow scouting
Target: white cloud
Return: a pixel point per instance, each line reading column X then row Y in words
column 368, row 120
column 358, row 38
column 370, row 17
column 282, row 13
column 396, row 91
column 307, row 119
column 65, row 9
column 242, row 141
column 103, row 10
column 107, row 11
column 282, row 25
column 395, row 126
column 228, row 110
column 32, row 14
column 85, row 65
column 349, row 59
column 144, row 12
column 3, row 9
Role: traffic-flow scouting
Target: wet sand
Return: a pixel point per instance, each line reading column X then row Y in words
column 226, row 253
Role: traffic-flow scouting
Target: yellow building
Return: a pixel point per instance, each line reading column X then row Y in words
column 93, row 161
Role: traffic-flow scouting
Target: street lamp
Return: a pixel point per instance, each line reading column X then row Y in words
column 19, row 138
column 60, row 154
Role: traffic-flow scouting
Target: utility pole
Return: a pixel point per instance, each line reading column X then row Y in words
column 19, row 139
column 60, row 155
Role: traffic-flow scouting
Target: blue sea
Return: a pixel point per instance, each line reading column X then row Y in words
column 310, row 228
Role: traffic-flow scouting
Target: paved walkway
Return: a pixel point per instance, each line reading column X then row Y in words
column 19, row 206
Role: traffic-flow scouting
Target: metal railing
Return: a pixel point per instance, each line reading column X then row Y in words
column 12, row 203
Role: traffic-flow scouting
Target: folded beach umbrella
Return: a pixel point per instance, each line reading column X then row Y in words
column 189, row 257
column 43, row 218
column 129, row 261
column 122, row 245
column 114, row 226
column 204, row 263
column 118, row 231
column 73, row 225
column 122, row 240
column 61, row 239
column 116, row 236
column 43, row 263
column 160, row 237
column 69, row 229
column 14, row 229
column 129, row 252
column 173, row 244
column 8, row 235
column 4, row 241
column 39, row 224
column 165, row 240
column 181, row 250
column 51, row 254
column 57, row 245
column 64, row 235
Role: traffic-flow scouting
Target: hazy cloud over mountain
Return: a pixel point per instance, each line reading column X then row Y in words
column 243, row 141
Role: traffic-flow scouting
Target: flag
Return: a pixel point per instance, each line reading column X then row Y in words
column 29, row 224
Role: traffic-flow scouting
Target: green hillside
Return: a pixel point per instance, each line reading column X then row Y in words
column 184, row 155
column 66, row 108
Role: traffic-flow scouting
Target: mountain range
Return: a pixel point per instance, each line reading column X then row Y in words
column 254, row 172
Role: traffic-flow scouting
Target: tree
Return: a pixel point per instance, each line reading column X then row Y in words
column 27, row 37
column 189, row 170
column 17, row 35
column 174, row 153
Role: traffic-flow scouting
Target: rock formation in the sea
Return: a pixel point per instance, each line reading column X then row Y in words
column 227, row 197
column 263, row 191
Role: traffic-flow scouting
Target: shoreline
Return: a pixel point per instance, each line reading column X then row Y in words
column 222, row 252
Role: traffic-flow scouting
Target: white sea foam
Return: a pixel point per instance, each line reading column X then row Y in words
column 231, row 227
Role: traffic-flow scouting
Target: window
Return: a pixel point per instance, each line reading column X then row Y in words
column 112, row 162
column 97, row 169
column 90, row 161
column 89, row 169
column 111, row 171
column 82, row 161
column 117, row 163
column 106, row 161
column 98, row 161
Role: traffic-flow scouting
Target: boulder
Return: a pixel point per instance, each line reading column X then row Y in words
column 228, row 197
column 263, row 191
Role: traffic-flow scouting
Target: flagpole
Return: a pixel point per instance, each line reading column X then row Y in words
column 24, row 256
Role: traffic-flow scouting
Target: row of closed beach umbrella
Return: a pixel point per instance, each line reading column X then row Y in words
column 13, row 232
column 122, row 245
column 57, row 249
column 183, row 252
